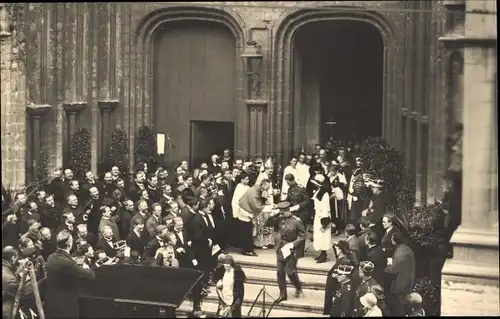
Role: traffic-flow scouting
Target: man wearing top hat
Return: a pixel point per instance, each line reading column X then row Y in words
column 343, row 298
column 367, row 282
column 292, row 235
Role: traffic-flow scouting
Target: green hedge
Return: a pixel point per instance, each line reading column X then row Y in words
column 118, row 152
column 386, row 163
column 80, row 153
column 145, row 147
column 42, row 174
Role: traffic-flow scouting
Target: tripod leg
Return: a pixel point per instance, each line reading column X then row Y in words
column 17, row 299
column 255, row 301
column 36, row 293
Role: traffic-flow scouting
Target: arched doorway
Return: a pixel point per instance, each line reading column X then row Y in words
column 339, row 80
column 194, row 88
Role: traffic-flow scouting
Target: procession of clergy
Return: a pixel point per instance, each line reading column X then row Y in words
column 191, row 218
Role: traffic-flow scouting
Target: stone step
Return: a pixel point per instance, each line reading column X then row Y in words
column 210, row 309
column 266, row 259
column 268, row 277
column 311, row 302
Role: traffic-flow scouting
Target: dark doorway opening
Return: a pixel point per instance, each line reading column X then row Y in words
column 209, row 137
column 351, row 77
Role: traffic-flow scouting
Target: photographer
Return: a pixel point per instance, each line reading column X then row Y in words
column 11, row 278
column 63, row 275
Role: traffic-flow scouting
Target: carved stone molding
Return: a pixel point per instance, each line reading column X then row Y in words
column 468, row 41
column 38, row 110
column 74, row 107
column 257, row 103
column 108, row 105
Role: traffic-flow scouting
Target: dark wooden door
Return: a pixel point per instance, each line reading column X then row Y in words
column 195, row 76
column 208, row 138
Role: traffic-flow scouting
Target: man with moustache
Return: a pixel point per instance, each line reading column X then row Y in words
column 107, row 187
column 142, row 213
column 106, row 241
column 68, row 177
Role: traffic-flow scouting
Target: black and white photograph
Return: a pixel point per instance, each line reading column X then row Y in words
column 258, row 159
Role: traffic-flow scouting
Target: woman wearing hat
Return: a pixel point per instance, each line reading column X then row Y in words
column 343, row 257
column 230, row 288
column 322, row 230
column 378, row 291
column 369, row 302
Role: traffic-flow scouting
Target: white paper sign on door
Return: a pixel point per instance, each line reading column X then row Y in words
column 160, row 143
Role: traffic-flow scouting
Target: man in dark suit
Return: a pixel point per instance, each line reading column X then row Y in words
column 203, row 230
column 298, row 198
column 142, row 213
column 364, row 225
column 93, row 210
column 158, row 241
column 125, row 213
column 137, row 186
column 68, row 223
column 106, row 241
column 51, row 214
column 389, row 224
column 75, row 208
column 376, row 256
column 183, row 245
column 402, row 267
column 56, row 186
column 352, row 239
column 88, row 184
column 82, row 233
column 137, row 239
column 63, row 274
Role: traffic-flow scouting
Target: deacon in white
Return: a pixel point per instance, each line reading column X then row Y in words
column 322, row 230
column 290, row 169
column 338, row 182
column 302, row 171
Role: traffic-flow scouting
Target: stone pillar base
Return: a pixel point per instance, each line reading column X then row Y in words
column 467, row 299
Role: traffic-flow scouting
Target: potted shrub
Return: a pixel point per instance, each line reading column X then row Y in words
column 145, row 147
column 80, row 153
column 118, row 152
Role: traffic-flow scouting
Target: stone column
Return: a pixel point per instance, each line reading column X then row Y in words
column 257, row 110
column 36, row 113
column 73, row 110
column 106, row 107
column 473, row 272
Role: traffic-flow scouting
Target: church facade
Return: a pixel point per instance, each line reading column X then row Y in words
column 271, row 77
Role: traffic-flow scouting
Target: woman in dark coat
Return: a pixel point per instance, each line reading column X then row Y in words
column 344, row 257
column 232, row 275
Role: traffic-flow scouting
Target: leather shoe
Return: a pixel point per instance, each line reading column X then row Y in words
column 280, row 299
column 321, row 260
column 299, row 294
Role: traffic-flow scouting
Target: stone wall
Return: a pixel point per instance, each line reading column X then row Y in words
column 91, row 53
column 471, row 278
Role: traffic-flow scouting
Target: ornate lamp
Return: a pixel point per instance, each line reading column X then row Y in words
column 252, row 60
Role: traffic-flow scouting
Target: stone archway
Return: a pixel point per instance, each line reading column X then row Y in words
column 141, row 106
column 283, row 85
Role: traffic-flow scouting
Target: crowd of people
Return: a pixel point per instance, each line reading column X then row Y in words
column 189, row 218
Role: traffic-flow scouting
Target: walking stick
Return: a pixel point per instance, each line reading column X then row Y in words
column 17, row 298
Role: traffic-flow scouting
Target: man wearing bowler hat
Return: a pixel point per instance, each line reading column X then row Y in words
column 292, row 236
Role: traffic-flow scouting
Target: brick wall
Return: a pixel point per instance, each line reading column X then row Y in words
column 13, row 116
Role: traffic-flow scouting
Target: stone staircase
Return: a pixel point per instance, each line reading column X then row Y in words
column 261, row 272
